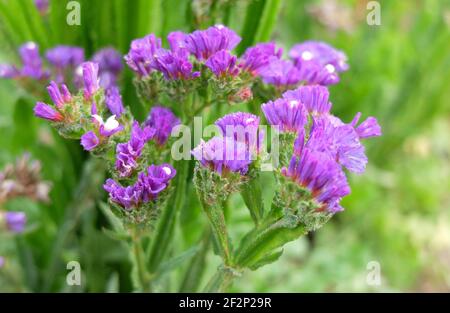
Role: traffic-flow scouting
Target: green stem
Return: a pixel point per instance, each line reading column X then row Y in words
column 267, row 21
column 252, row 195
column 143, row 275
column 221, row 280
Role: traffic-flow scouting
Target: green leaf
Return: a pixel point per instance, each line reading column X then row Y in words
column 252, row 195
column 267, row 259
column 267, row 21
column 175, row 262
column 115, row 222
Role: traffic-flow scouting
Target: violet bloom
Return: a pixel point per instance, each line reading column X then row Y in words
column 339, row 141
column 110, row 65
column 141, row 54
column 127, row 153
column 162, row 120
column 204, row 43
column 127, row 197
column 45, row 111
column 113, row 101
column 90, row 79
column 173, row 65
column 15, row 221
column 368, row 128
column 223, row 64
column 242, row 126
column 313, row 73
column 109, row 127
column 42, row 6
column 32, row 63
column 63, row 57
column 59, row 97
column 154, row 180
column 257, row 57
column 322, row 176
column 2, row 261
column 321, row 52
column 314, row 98
column 287, row 115
column 177, row 40
column 280, row 73
column 223, row 154
column 8, row 71
column 89, row 141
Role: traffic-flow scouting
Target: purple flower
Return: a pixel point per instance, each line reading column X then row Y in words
column 8, row 71
column 63, row 58
column 314, row 98
column 280, row 73
column 313, row 73
column 287, row 115
column 155, row 180
column 320, row 52
column 242, row 126
column 204, row 43
column 223, row 154
column 320, row 174
column 173, row 65
column 368, row 128
column 59, row 98
column 90, row 79
column 339, row 141
column 177, row 40
column 162, row 120
column 127, row 153
column 42, row 6
column 126, row 197
column 109, row 66
column 113, row 101
column 222, row 63
column 149, row 185
column 141, row 54
column 2, row 261
column 89, row 141
column 45, row 111
column 15, row 221
column 258, row 57
column 32, row 63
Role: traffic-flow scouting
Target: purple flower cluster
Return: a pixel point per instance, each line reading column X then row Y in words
column 64, row 58
column 113, row 101
column 147, row 187
column 14, row 221
column 60, row 97
column 222, row 154
column 162, row 120
column 110, row 66
column 141, row 54
column 258, row 57
column 32, row 62
column 173, row 64
column 90, row 79
column 329, row 144
column 127, row 153
column 91, row 139
column 222, row 63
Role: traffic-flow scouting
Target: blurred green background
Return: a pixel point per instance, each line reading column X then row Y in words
column 397, row 215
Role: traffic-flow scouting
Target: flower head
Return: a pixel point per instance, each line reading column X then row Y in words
column 141, row 54
column 15, row 221
column 2, row 261
column 110, row 65
column 32, row 63
column 45, row 111
column 177, row 40
column 162, row 120
column 127, row 153
column 314, row 98
column 113, row 101
column 89, row 141
column 320, row 52
column 223, row 154
column 155, row 180
column 204, row 43
column 90, row 78
column 173, row 65
column 65, row 56
column 222, row 63
column 313, row 73
column 59, row 97
column 42, row 6
column 279, row 72
column 8, row 71
column 109, row 127
column 320, row 174
column 368, row 128
column 126, row 197
column 257, row 57
column 287, row 115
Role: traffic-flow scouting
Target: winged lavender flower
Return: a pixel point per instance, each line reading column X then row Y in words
column 173, row 65
column 162, row 120
column 223, row 64
column 141, row 54
column 368, row 128
column 2, row 261
column 90, row 79
column 63, row 58
column 113, row 101
column 110, row 66
column 89, row 141
column 285, row 114
column 257, row 57
column 314, row 98
column 32, row 62
column 127, row 153
column 15, row 221
column 59, row 97
column 204, row 43
column 177, row 40
column 8, row 71
column 47, row 112
column 109, row 127
column 222, row 154
column 280, row 73
column 320, row 174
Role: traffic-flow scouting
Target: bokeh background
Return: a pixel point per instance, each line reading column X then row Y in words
column 397, row 215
